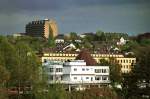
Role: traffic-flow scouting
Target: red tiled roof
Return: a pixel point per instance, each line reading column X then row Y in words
column 86, row 56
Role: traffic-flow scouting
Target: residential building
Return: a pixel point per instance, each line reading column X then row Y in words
column 19, row 34
column 59, row 39
column 77, row 74
column 77, row 71
column 122, row 41
column 53, row 70
column 87, row 34
column 42, row 28
column 125, row 62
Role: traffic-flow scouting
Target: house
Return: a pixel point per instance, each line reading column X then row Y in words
column 122, row 41
column 19, row 34
column 71, row 46
column 86, row 34
column 59, row 39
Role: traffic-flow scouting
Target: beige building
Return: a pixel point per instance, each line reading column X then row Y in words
column 42, row 28
column 126, row 63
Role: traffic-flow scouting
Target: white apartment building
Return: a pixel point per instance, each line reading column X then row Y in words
column 53, row 71
column 75, row 73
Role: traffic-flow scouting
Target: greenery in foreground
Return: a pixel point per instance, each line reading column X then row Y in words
column 21, row 68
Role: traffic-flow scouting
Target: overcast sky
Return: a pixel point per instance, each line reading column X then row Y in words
column 131, row 16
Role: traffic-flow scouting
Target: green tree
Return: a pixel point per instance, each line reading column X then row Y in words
column 103, row 62
column 73, row 36
column 100, row 36
column 7, row 61
column 4, row 77
column 27, row 71
column 19, row 68
column 87, row 45
column 136, row 84
column 89, row 38
column 129, row 46
column 115, row 73
column 115, row 70
column 145, row 42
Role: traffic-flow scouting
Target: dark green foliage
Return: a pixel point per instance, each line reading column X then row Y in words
column 136, row 84
column 104, row 62
column 51, row 41
column 100, row 36
column 19, row 66
column 145, row 42
column 35, row 43
column 129, row 46
column 73, row 36
column 94, row 93
column 115, row 70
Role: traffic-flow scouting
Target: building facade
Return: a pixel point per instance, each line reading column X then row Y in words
column 42, row 28
column 77, row 74
column 125, row 62
column 53, row 70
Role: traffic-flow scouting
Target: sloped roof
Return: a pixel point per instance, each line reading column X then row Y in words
column 144, row 36
column 60, row 36
column 86, row 56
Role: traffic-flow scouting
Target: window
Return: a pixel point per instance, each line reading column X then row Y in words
column 124, row 66
column 87, row 69
column 133, row 61
column 51, row 69
column 83, row 69
column 103, row 70
column 87, row 77
column 75, row 78
column 97, row 78
column 104, row 78
column 45, row 60
column 118, row 61
column 121, row 61
column 58, row 69
column 97, row 70
column 124, row 61
column 75, row 69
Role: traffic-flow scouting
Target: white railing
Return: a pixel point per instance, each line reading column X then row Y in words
column 80, row 82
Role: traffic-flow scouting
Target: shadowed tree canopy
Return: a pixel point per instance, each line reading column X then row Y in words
column 86, row 56
column 137, row 84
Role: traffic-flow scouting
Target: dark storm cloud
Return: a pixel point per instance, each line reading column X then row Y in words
column 36, row 5
column 109, row 2
column 15, row 6
column 77, row 15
